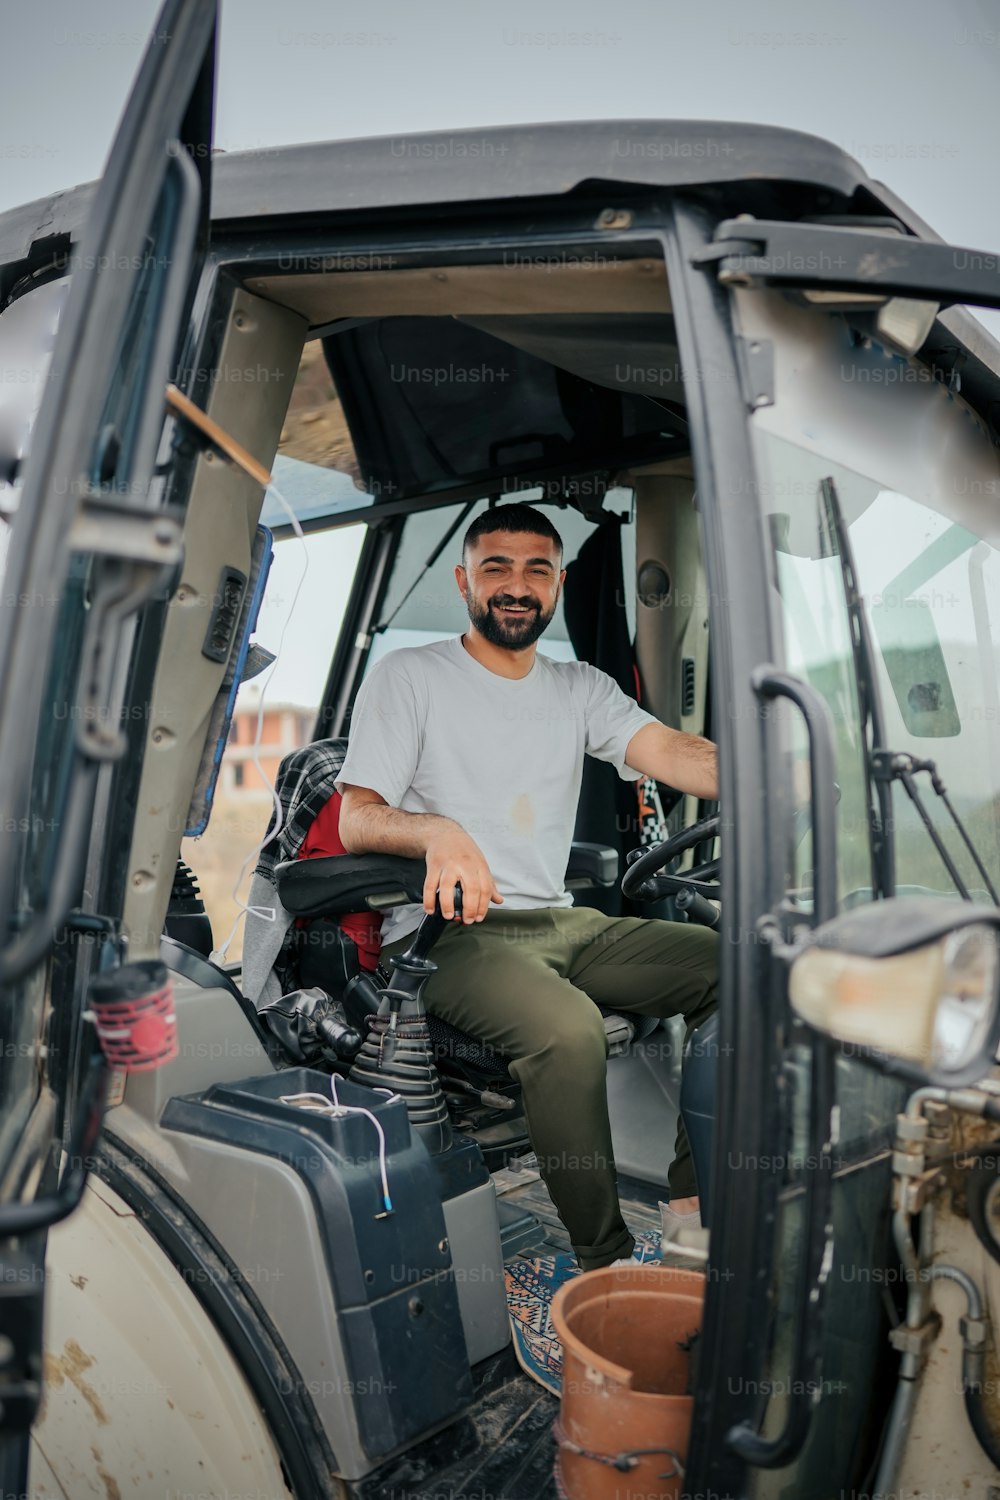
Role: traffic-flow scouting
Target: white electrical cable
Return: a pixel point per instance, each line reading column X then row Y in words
column 381, row 1137
column 321, row 1105
column 266, row 912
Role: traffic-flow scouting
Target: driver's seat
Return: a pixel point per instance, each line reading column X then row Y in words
column 330, row 888
column 318, row 893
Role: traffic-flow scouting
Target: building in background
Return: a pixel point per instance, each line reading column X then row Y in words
column 223, row 858
column 285, row 727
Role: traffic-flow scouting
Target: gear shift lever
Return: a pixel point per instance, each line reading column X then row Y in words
column 396, row 1053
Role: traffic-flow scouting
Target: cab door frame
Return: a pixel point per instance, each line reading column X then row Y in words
column 753, row 799
column 89, row 493
column 727, row 379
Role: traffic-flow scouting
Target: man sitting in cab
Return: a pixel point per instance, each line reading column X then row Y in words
column 468, row 753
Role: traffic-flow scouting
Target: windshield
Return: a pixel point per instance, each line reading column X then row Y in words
column 930, row 589
column 921, row 520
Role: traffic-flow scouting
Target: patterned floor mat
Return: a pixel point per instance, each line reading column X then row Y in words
column 531, row 1285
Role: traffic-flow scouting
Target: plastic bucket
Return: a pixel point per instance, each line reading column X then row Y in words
column 625, row 1380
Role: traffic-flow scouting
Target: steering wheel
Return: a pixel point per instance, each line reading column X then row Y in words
column 645, row 880
column 638, row 883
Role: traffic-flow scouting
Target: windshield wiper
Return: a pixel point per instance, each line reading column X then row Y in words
column 899, row 765
column 869, row 707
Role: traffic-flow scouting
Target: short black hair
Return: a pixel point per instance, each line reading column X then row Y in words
column 516, row 519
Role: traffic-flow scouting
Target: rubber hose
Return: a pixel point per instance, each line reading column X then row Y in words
column 980, row 1425
column 980, row 1179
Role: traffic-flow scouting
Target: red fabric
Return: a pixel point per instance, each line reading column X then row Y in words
column 324, row 838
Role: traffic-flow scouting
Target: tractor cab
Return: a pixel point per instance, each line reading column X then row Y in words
column 249, row 406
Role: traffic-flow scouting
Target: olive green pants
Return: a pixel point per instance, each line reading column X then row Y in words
column 529, row 983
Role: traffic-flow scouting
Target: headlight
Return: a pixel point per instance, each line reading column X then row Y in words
column 910, row 983
column 965, row 1007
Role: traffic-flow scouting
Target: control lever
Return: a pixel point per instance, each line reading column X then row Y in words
column 397, row 1053
column 310, row 1027
column 426, row 935
column 697, row 909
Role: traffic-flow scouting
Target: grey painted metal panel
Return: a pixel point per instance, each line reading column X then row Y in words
column 520, row 161
column 478, row 165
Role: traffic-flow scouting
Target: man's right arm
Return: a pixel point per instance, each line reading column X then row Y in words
column 368, row 825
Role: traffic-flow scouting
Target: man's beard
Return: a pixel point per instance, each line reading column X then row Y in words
column 513, row 633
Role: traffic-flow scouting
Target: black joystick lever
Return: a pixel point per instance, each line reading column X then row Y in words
column 397, row 1051
column 412, row 969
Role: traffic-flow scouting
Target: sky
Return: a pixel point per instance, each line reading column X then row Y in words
column 909, row 87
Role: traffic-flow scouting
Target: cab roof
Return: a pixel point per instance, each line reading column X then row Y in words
column 470, row 165
column 522, row 161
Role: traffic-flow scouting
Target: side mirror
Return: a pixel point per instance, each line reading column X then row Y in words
column 913, row 983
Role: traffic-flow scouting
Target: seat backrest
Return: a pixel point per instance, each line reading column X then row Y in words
column 303, row 786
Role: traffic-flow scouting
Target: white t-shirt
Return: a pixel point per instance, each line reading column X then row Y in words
column 434, row 731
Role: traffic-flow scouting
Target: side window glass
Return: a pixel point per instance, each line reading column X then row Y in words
column 933, row 591
column 300, row 617
column 812, row 607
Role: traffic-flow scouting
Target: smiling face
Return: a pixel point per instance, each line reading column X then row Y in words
column 511, row 584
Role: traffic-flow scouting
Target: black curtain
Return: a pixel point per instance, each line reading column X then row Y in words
column 594, row 611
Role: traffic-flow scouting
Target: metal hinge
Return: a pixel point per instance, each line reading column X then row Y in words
column 861, row 259
column 136, row 553
column 756, row 363
column 108, row 528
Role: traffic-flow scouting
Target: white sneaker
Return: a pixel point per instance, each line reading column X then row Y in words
column 647, row 1258
column 672, row 1222
column 624, row 1260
